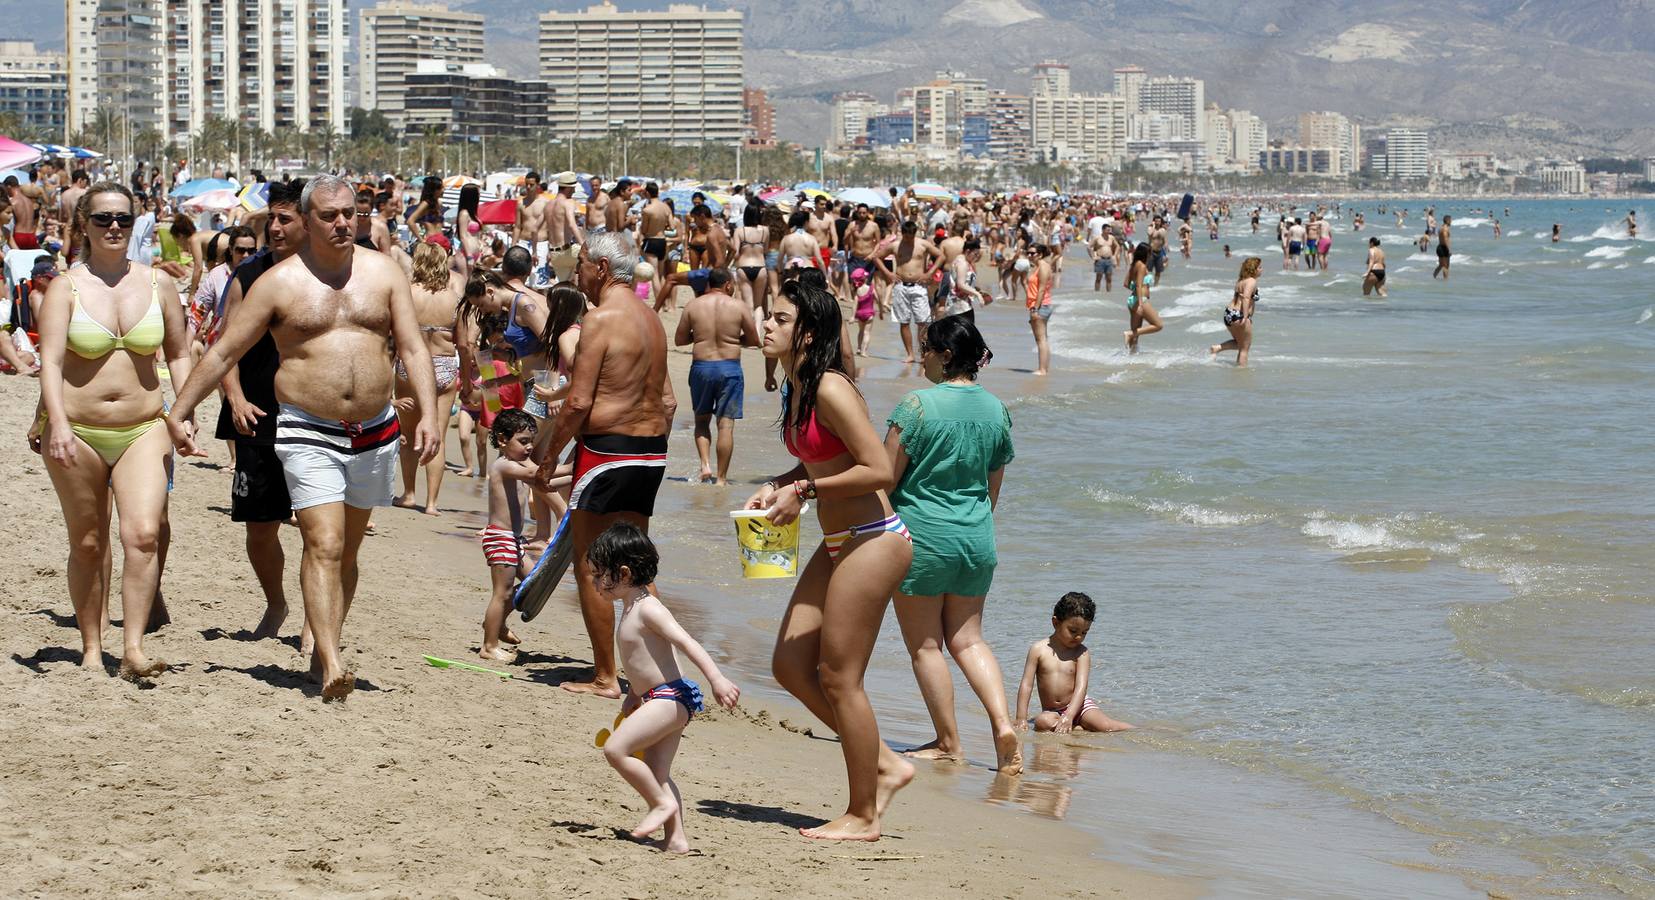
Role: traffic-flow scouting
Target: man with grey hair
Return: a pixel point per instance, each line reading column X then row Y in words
column 332, row 312
column 618, row 411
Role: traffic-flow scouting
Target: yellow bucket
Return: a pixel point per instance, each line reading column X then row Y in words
column 768, row 550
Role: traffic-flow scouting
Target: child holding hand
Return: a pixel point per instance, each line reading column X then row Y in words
column 513, row 438
column 1061, row 666
column 624, row 562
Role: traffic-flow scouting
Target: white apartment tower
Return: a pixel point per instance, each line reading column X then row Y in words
column 1408, row 153
column 1051, row 79
column 1249, row 138
column 1331, row 129
column 937, row 116
column 1084, row 128
column 1181, row 97
column 169, row 64
column 851, row 112
column 973, row 91
column 673, row 75
column 396, row 36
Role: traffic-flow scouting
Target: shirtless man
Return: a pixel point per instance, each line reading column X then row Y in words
column 917, row 261
column 67, row 200
column 1443, row 251
column 562, row 229
column 861, row 241
column 1158, row 247
column 618, row 411
column 719, row 325
column 332, row 312
column 25, row 215
column 821, row 227
column 531, row 230
column 615, row 211
column 1631, row 223
column 951, row 248
column 716, row 257
column 597, row 208
column 653, row 221
column 1103, row 247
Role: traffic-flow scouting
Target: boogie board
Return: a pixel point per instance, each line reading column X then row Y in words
column 1185, row 205
column 533, row 591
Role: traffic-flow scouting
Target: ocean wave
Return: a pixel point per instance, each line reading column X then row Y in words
column 1648, row 313
column 1350, row 534
column 1615, row 232
column 1397, row 239
column 1474, row 222
column 1514, row 233
column 1650, row 261
column 1597, row 265
column 1607, row 252
column 1206, row 326
column 1188, row 513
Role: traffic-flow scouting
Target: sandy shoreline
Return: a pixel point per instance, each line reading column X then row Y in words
column 230, row 778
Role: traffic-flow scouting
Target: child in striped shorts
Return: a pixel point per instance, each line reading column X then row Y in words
column 513, row 437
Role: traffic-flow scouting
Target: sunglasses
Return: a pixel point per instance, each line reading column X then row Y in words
column 242, row 249
column 105, row 219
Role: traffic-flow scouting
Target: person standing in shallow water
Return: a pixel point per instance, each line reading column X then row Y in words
column 1443, row 251
column 1238, row 315
column 949, row 446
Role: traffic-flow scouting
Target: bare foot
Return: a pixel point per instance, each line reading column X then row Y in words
column 844, row 828
column 907, row 359
column 339, row 688
column 706, row 477
column 600, row 689
column 1213, row 350
column 655, row 818
column 510, row 637
column 466, row 473
column 889, row 783
column 679, row 845
column 721, row 482
column 932, row 753
column 141, row 668
column 405, row 502
column 1129, row 337
column 431, row 511
column 92, row 659
column 1040, row 371
column 271, row 625
column 497, row 654
column 1008, row 752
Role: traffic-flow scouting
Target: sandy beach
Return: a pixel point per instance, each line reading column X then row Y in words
column 229, row 777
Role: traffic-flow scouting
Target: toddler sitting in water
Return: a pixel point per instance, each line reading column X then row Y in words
column 623, row 566
column 1061, row 665
column 513, row 437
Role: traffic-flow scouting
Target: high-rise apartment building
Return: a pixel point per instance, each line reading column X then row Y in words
column 170, row 64
column 1129, row 85
column 1407, row 153
column 1295, row 160
column 1050, row 79
column 1009, row 128
column 937, row 116
column 973, row 91
column 1558, row 176
column 758, row 118
column 851, row 112
column 474, row 100
column 1220, row 135
column 1649, row 169
column 1330, row 129
column 34, row 87
column 672, row 75
column 1250, row 137
column 396, row 36
column 1182, row 97
column 1084, row 128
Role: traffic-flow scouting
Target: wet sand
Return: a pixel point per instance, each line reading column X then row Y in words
column 229, row 777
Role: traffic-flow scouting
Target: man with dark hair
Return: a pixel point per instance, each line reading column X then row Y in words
column 615, row 212
column 653, row 220
column 917, row 261
column 714, row 258
column 529, row 231
column 719, row 325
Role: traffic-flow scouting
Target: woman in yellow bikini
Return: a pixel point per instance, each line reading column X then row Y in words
column 101, row 326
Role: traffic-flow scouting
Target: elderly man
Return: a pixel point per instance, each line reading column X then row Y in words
column 618, row 411
column 332, row 312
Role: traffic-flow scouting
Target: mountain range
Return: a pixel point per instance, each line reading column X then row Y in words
column 1511, row 74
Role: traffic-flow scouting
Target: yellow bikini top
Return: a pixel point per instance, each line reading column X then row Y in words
column 89, row 339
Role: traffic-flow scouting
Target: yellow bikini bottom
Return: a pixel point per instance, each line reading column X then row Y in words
column 110, row 442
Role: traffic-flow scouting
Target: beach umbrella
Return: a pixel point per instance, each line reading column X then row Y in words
column 682, row 200
column 21, row 176
column 1047, row 195
column 813, row 193
column 927, row 190
column 772, row 194
column 15, row 155
column 220, row 200
column 255, row 196
column 83, row 153
column 201, row 186
column 459, row 181
column 808, row 186
column 497, row 212
column 873, row 198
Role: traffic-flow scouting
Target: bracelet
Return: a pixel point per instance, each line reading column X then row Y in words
column 808, row 492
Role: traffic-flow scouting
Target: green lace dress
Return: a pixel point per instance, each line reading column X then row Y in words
column 954, row 435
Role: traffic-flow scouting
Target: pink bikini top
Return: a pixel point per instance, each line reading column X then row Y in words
column 813, row 443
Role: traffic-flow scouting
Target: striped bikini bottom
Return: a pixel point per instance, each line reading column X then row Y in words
column 835, row 540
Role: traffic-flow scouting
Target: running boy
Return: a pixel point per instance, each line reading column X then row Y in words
column 513, row 437
column 1061, row 665
column 624, row 562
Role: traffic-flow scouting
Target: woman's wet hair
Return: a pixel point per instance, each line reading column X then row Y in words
column 1140, row 253
column 1373, row 242
column 624, row 544
column 508, row 424
column 817, row 325
column 958, row 337
column 566, row 304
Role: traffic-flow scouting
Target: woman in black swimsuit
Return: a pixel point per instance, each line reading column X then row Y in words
column 426, row 217
column 751, row 240
column 1374, row 278
column 1238, row 316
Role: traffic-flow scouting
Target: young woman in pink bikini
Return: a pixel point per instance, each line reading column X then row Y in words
column 828, row 632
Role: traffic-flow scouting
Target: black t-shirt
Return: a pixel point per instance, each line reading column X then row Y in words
column 257, row 367
column 840, row 225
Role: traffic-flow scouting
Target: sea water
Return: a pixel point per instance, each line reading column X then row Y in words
column 1382, row 601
